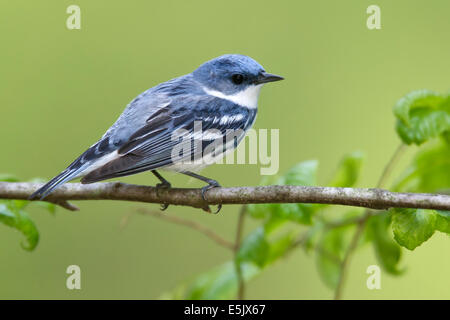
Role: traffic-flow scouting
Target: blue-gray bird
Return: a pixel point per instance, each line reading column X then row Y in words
column 221, row 94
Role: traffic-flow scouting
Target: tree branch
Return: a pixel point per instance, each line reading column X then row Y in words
column 369, row 198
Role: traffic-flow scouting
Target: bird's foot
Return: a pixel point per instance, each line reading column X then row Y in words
column 211, row 185
column 165, row 185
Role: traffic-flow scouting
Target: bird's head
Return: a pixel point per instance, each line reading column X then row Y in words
column 232, row 74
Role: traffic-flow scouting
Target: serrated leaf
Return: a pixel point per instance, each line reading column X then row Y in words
column 424, row 124
column 386, row 250
column 416, row 99
column 412, row 227
column 348, row 170
column 18, row 219
column 421, row 115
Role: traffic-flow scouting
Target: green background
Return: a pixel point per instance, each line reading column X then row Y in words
column 60, row 90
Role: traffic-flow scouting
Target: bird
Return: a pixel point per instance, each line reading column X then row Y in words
column 221, row 94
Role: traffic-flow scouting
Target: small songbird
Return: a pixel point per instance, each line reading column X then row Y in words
column 222, row 94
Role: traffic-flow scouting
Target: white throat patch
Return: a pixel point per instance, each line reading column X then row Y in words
column 246, row 98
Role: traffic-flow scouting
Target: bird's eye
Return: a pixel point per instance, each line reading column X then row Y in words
column 237, row 78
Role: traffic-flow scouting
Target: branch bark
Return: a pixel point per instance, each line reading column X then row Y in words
column 374, row 198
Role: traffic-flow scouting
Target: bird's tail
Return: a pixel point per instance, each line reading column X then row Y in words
column 50, row 186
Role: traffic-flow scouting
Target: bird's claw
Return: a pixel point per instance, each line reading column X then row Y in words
column 165, row 186
column 212, row 184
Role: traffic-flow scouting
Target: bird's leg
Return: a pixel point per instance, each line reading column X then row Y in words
column 164, row 184
column 211, row 184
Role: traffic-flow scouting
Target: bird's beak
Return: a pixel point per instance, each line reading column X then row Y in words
column 265, row 77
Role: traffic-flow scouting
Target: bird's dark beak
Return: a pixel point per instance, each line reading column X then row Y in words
column 265, row 77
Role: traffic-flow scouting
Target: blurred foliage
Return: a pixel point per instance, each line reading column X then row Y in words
column 423, row 118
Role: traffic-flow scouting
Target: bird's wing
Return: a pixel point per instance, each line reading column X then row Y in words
column 151, row 147
column 104, row 150
column 123, row 130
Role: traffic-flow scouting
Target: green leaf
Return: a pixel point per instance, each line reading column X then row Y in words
column 348, row 170
column 429, row 171
column 259, row 211
column 221, row 282
column 386, row 250
column 298, row 212
column 312, row 236
column 412, row 227
column 272, row 224
column 446, row 136
column 330, row 253
column 254, row 248
column 424, row 124
column 422, row 115
column 18, row 219
column 443, row 221
column 302, row 174
column 20, row 204
column 279, row 247
column 416, row 99
column 262, row 249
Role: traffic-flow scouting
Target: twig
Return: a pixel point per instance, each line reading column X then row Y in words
column 369, row 198
column 361, row 224
column 237, row 245
column 345, row 222
column 346, row 260
column 390, row 165
column 66, row 205
column 190, row 224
